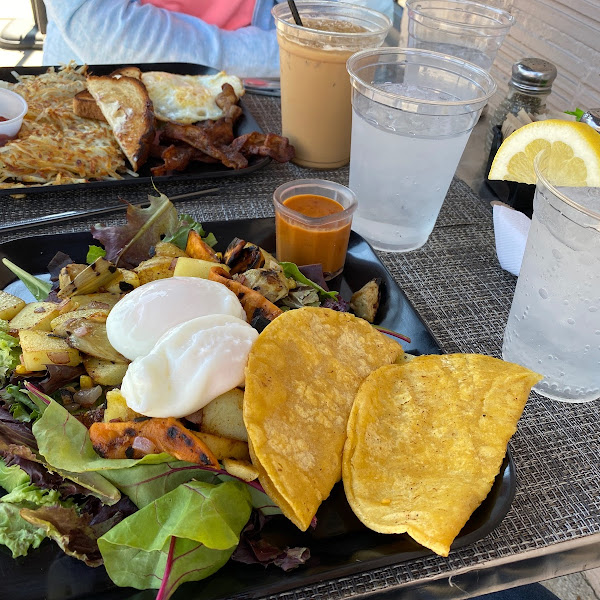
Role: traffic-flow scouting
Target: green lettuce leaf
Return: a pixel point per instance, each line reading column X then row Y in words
column 9, row 352
column 94, row 253
column 187, row 223
column 21, row 405
column 40, row 289
column 291, row 270
column 65, row 444
column 16, row 533
column 185, row 535
column 260, row 500
column 12, row 477
column 145, row 483
column 31, row 495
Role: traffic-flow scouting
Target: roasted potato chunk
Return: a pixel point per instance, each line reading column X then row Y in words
column 194, row 267
column 117, row 409
column 157, row 267
column 223, row 416
column 104, row 372
column 365, row 302
column 41, row 348
column 35, row 315
column 9, row 305
column 223, row 447
column 242, row 469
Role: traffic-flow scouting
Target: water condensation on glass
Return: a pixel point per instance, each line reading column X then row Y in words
column 556, row 307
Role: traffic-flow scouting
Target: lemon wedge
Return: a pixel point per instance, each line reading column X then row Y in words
column 574, row 153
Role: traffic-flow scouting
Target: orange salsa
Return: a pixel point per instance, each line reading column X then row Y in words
column 302, row 242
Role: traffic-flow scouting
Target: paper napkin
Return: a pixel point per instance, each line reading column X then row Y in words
column 510, row 230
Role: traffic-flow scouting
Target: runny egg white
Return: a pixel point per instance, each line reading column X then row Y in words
column 187, row 98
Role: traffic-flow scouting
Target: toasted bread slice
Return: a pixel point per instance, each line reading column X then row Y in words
column 125, row 104
column 127, row 72
column 84, row 105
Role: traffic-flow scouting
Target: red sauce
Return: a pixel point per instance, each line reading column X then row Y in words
column 301, row 244
column 3, row 118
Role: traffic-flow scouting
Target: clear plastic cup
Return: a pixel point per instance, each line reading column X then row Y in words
column 311, row 230
column 469, row 30
column 554, row 322
column 315, row 89
column 412, row 114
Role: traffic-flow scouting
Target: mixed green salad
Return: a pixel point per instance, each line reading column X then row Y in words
column 153, row 521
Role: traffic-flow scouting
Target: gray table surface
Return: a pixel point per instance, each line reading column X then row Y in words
column 459, row 290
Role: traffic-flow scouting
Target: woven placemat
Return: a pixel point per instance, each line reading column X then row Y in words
column 459, row 290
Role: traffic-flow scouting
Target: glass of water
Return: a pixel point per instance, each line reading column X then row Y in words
column 412, row 113
column 554, row 322
column 462, row 28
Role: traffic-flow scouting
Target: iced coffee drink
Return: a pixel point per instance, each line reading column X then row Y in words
column 315, row 86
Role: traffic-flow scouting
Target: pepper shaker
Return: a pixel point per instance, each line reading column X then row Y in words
column 528, row 89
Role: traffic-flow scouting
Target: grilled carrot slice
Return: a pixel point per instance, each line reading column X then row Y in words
column 134, row 439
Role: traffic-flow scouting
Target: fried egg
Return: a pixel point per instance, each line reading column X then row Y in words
column 188, row 98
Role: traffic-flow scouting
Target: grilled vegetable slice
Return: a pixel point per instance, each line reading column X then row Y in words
column 91, row 279
column 197, row 248
column 89, row 337
column 253, row 303
column 134, row 439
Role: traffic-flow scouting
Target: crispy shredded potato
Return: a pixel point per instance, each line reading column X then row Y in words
column 55, row 146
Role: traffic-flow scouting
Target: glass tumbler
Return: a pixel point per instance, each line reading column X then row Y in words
column 554, row 322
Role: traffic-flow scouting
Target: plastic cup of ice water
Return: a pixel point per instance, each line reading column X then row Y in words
column 412, row 113
column 462, row 28
column 554, row 321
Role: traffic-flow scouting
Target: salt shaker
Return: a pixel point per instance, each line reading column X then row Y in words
column 528, row 88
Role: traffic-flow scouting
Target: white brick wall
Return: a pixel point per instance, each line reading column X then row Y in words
column 565, row 32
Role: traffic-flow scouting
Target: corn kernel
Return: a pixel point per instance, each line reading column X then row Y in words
column 85, row 382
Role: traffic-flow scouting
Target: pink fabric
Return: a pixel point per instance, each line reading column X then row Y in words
column 225, row 14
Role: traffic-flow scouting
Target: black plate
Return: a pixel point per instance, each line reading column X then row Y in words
column 340, row 545
column 245, row 124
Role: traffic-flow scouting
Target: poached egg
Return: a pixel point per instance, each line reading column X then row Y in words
column 189, row 366
column 143, row 316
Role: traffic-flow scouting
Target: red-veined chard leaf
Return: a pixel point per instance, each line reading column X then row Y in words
column 185, row 535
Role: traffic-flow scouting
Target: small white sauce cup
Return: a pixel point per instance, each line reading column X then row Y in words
column 12, row 107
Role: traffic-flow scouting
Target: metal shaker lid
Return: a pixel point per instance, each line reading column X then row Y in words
column 533, row 75
column 592, row 118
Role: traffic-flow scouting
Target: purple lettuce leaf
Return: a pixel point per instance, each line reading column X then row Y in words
column 338, row 304
column 71, row 531
column 40, row 476
column 15, row 432
column 128, row 245
column 254, row 549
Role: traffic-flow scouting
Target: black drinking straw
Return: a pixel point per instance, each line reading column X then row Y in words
column 295, row 14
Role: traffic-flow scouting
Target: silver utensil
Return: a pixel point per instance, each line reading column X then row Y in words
column 71, row 215
column 264, row 86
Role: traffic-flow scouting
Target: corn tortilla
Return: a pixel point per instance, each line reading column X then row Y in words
column 302, row 376
column 426, row 440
